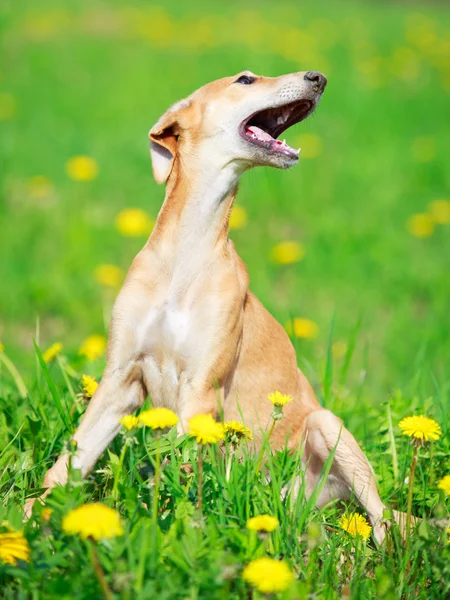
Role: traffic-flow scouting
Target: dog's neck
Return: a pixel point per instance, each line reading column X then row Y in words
column 195, row 213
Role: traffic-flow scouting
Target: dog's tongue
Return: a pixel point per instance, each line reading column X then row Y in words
column 276, row 145
column 258, row 133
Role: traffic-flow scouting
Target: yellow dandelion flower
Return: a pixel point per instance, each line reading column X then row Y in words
column 109, row 275
column 7, row 106
column 52, row 352
column 420, row 30
column 339, row 349
column 129, row 421
column 158, row 418
column 420, row 225
column 444, row 485
column 423, row 149
column 134, row 222
column 236, row 431
column 440, row 211
column 39, row 186
column 268, row 575
column 279, row 399
column 2, row 348
column 93, row 347
column 13, row 547
column 205, row 429
column 302, row 328
column 46, row 514
column 263, row 523
column 404, row 64
column 238, row 217
column 93, row 521
column 46, row 26
column 311, row 145
column 82, row 168
column 420, row 428
column 372, row 71
column 355, row 524
column 89, row 385
column 287, row 253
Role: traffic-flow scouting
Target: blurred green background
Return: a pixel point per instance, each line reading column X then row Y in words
column 368, row 202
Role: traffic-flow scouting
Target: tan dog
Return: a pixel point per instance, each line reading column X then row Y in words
column 185, row 326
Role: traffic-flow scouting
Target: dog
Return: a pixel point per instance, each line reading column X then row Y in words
column 185, row 329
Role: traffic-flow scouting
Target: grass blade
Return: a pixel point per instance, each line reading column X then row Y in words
column 63, row 413
column 350, row 350
column 328, row 379
column 20, row 384
column 392, row 440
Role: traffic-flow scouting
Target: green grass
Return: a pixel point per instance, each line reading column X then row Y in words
column 92, row 78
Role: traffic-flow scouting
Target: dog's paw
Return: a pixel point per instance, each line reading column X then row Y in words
column 28, row 508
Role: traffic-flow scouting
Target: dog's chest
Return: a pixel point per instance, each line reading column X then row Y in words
column 165, row 329
column 176, row 320
column 169, row 339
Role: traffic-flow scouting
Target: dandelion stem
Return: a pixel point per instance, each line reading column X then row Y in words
column 228, row 467
column 115, row 490
column 412, row 472
column 200, row 476
column 99, row 571
column 157, row 481
column 261, row 453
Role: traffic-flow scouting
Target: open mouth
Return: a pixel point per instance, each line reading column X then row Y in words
column 264, row 127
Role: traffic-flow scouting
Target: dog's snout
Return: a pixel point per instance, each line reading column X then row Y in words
column 318, row 80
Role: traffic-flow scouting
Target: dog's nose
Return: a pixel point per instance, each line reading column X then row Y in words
column 318, row 80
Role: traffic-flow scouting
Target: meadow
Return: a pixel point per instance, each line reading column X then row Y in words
column 350, row 249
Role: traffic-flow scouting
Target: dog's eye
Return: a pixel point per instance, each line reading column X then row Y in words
column 245, row 80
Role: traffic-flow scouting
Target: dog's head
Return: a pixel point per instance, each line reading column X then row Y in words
column 236, row 119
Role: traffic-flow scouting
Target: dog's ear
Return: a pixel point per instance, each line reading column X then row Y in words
column 163, row 146
column 164, row 140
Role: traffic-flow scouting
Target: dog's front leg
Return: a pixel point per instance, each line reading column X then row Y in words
column 117, row 395
column 209, row 401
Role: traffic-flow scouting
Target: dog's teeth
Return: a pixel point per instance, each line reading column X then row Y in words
column 284, row 142
column 298, row 151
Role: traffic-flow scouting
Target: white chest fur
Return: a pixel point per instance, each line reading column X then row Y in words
column 160, row 344
column 164, row 329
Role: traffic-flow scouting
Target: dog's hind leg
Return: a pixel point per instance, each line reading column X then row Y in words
column 350, row 474
column 117, row 395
